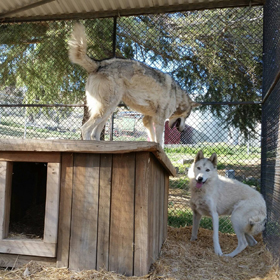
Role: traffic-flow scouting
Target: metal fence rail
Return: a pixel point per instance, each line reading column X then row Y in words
column 215, row 55
column 270, row 180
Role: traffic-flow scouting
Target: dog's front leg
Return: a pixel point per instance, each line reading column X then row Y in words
column 159, row 133
column 196, row 221
column 217, row 247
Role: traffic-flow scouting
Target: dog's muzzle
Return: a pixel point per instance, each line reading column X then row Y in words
column 176, row 124
column 199, row 182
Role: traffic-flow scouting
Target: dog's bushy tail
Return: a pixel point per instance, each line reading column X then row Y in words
column 78, row 49
column 256, row 224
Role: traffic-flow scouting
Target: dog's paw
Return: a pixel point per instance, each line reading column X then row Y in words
column 228, row 255
column 193, row 238
column 219, row 252
column 252, row 243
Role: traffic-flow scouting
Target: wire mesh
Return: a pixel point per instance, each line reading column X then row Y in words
column 215, row 55
column 270, row 124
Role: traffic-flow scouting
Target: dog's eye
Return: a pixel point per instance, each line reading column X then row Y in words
column 198, row 168
column 207, row 170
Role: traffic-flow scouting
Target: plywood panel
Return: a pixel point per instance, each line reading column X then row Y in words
column 28, row 247
column 161, row 206
column 153, row 211
column 165, row 208
column 6, row 169
column 65, row 210
column 151, row 206
column 156, row 209
column 52, row 203
column 142, row 185
column 83, row 243
column 104, row 211
column 122, row 214
column 15, row 261
column 30, row 157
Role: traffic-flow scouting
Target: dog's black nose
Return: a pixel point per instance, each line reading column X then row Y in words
column 199, row 179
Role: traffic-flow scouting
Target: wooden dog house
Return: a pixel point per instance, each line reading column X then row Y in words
column 105, row 203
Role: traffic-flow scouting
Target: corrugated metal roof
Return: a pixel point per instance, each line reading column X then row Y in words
column 30, row 10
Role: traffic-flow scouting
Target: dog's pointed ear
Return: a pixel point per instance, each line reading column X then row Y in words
column 214, row 159
column 195, row 104
column 191, row 171
column 199, row 156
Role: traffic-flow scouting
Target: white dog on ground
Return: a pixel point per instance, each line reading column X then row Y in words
column 144, row 89
column 213, row 195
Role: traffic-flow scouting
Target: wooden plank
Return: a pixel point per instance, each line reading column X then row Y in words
column 9, row 175
column 6, row 169
column 52, row 203
column 164, row 160
column 122, row 214
column 30, row 156
column 83, row 242
column 3, row 174
column 161, row 206
column 83, row 146
column 151, row 217
column 15, row 261
column 28, row 247
column 156, row 210
column 142, row 185
column 165, row 209
column 65, row 207
column 104, row 211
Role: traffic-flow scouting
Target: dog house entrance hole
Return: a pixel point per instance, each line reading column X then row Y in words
column 28, row 200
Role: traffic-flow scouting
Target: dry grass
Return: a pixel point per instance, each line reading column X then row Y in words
column 180, row 259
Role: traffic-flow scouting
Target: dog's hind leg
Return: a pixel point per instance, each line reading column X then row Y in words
column 97, row 131
column 89, row 127
column 93, row 127
column 242, row 244
column 239, row 228
column 85, row 129
column 103, row 95
column 196, row 221
column 250, row 239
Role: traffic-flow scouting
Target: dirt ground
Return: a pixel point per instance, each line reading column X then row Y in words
column 180, row 259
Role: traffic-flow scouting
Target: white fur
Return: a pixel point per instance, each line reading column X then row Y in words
column 142, row 88
column 218, row 196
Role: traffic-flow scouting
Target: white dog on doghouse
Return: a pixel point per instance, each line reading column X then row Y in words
column 144, row 89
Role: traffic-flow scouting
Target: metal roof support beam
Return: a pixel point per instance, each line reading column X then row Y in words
column 24, row 8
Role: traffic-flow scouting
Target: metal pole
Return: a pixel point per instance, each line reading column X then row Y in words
column 114, row 36
column 112, row 127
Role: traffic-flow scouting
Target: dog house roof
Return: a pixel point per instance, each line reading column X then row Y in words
column 83, row 146
column 35, row 10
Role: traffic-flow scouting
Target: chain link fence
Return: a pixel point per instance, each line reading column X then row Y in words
column 270, row 124
column 215, row 55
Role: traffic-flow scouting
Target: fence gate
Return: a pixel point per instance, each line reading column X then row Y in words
column 270, row 180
